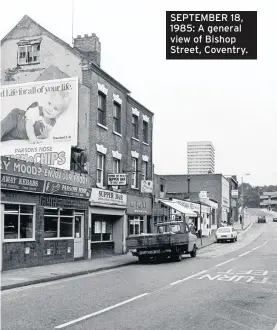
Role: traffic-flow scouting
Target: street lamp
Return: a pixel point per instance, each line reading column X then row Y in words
column 242, row 201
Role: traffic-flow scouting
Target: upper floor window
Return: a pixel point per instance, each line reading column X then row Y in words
column 116, row 165
column 145, row 131
column 116, row 117
column 100, row 169
column 101, row 108
column 28, row 54
column 134, row 183
column 144, row 173
column 135, row 126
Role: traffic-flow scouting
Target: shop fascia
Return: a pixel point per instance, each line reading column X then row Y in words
column 194, row 206
column 107, row 197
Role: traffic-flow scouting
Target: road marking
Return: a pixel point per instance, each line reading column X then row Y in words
column 275, row 328
column 188, row 278
column 64, row 325
column 225, row 262
column 244, row 254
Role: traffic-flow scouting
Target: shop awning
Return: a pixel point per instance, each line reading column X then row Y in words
column 180, row 208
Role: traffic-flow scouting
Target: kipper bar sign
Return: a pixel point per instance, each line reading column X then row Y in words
column 211, row 35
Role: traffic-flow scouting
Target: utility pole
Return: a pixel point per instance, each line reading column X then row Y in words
column 242, row 204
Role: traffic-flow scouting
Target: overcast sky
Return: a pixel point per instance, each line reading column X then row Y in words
column 231, row 103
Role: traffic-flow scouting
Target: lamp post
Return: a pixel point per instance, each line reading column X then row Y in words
column 242, row 201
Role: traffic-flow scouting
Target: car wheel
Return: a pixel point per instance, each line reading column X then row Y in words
column 193, row 252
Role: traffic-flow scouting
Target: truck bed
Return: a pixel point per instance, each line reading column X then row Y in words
column 149, row 241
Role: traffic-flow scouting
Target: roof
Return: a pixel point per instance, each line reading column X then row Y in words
column 179, row 208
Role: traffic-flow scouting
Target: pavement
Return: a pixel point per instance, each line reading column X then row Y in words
column 27, row 276
column 231, row 286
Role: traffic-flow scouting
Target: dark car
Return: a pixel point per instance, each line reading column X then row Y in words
column 262, row 219
column 274, row 219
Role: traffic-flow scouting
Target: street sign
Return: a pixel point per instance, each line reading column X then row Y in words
column 117, row 179
column 235, row 193
column 203, row 194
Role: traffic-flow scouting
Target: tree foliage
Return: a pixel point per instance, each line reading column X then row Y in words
column 252, row 194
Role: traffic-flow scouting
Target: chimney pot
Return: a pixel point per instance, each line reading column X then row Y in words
column 78, row 36
column 86, row 35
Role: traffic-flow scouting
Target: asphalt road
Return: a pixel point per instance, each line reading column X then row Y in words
column 227, row 286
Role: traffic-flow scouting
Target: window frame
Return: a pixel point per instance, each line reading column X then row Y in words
column 145, row 132
column 144, row 176
column 135, row 131
column 138, row 219
column 100, row 110
column 99, row 154
column 134, row 174
column 59, row 216
column 117, row 118
column 101, row 219
column 116, row 163
column 26, row 53
column 33, row 223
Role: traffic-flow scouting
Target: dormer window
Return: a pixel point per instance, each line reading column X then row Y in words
column 28, row 52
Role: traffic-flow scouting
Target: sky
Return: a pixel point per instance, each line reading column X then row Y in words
column 229, row 102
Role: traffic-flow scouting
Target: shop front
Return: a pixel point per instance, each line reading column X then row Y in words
column 44, row 214
column 107, row 221
column 139, row 212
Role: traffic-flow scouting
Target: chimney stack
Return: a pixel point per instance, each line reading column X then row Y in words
column 90, row 46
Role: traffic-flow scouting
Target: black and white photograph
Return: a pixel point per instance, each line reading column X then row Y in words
column 138, row 165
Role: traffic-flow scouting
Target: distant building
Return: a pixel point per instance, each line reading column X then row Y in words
column 200, row 157
column 269, row 200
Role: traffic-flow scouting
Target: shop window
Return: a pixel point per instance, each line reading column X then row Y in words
column 135, row 225
column 18, row 222
column 58, row 223
column 101, row 229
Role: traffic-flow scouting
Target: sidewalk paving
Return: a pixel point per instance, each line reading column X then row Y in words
column 26, row 276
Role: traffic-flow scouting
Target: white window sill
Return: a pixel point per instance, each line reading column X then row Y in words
column 116, row 133
column 102, row 126
column 135, row 139
column 19, row 240
column 57, row 238
column 146, row 144
column 97, row 242
column 135, row 188
column 100, row 185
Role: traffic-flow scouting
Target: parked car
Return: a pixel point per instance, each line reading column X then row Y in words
column 274, row 219
column 262, row 219
column 226, row 234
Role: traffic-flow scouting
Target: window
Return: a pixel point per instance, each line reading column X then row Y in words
column 101, row 108
column 58, row 223
column 18, row 222
column 135, row 126
column 144, row 173
column 116, row 165
column 145, row 132
column 101, row 229
column 162, row 188
column 28, row 54
column 135, row 225
column 100, row 169
column 116, row 117
column 134, row 183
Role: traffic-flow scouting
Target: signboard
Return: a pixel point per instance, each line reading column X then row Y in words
column 57, row 188
column 235, row 193
column 117, row 179
column 39, row 121
column 147, row 186
column 193, row 206
column 12, row 182
column 137, row 205
column 102, row 196
column 203, row 194
column 35, row 171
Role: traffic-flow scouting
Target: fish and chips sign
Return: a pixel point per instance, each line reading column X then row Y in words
column 117, row 179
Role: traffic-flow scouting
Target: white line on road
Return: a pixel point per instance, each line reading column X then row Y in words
column 275, row 328
column 189, row 277
column 244, row 254
column 64, row 325
column 225, row 262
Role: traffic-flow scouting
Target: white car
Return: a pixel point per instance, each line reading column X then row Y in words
column 226, row 234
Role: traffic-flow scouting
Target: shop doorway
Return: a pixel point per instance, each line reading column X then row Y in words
column 78, row 236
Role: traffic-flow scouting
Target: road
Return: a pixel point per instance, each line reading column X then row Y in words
column 227, row 286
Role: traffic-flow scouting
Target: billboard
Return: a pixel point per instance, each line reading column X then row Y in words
column 39, row 121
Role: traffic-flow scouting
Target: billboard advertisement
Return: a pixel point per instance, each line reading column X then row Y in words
column 39, row 121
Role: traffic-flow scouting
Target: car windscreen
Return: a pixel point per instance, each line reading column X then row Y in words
column 224, row 230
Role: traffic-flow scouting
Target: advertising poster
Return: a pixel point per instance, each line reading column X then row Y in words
column 39, row 121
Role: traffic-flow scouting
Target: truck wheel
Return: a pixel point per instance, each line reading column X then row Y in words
column 193, row 252
column 143, row 259
column 177, row 255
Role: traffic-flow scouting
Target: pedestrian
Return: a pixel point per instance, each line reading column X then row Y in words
column 240, row 219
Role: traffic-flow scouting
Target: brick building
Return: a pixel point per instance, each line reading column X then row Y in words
column 114, row 129
column 189, row 186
